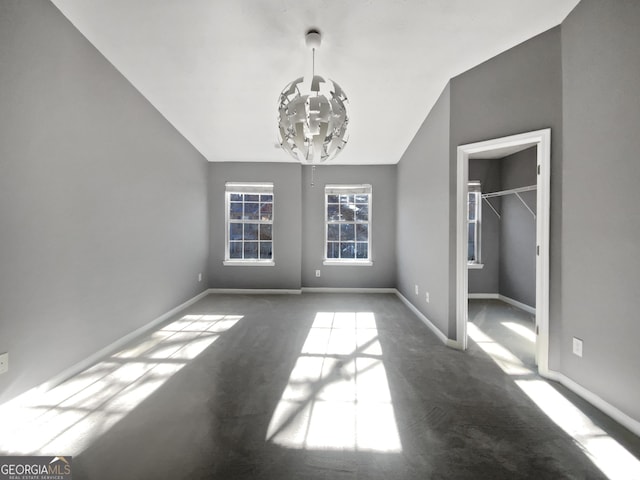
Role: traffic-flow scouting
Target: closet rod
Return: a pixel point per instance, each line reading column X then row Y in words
column 516, row 191
column 507, row 192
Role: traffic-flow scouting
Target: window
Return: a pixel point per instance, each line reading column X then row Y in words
column 249, row 223
column 347, row 224
column 474, row 217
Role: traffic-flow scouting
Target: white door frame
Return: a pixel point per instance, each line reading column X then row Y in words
column 542, row 140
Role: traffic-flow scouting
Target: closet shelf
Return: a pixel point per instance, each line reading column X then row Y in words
column 516, row 192
column 528, row 188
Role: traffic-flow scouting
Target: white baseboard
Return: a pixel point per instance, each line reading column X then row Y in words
column 619, row 416
column 505, row 299
column 106, row 351
column 441, row 336
column 484, row 296
column 256, row 291
column 517, row 304
column 347, row 290
column 285, row 291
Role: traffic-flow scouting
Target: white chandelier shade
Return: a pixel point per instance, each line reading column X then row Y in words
column 312, row 119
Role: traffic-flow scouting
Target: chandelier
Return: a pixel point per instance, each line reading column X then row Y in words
column 312, row 115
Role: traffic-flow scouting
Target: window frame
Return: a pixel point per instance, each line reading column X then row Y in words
column 248, row 188
column 351, row 189
column 475, row 188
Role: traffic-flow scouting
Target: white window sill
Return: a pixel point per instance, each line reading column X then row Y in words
column 475, row 266
column 249, row 263
column 349, row 263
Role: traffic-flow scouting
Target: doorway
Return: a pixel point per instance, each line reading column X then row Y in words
column 498, row 148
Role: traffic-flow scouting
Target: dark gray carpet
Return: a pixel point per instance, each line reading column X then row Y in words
column 458, row 415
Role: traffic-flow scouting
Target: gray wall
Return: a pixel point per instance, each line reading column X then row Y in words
column 287, row 234
column 600, row 261
column 383, row 227
column 423, row 217
column 299, row 227
column 580, row 80
column 517, row 91
column 518, row 229
column 487, row 278
column 103, row 216
column 509, row 242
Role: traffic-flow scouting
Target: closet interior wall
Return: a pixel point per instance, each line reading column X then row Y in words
column 517, row 262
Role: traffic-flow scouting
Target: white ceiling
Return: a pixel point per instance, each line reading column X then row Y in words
column 215, row 68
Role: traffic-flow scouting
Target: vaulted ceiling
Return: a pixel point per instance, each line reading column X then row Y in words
column 215, row 68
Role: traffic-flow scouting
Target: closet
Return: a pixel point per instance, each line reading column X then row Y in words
column 502, row 286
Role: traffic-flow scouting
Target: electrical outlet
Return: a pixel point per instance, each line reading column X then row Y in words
column 317, row 273
column 426, row 297
column 199, row 277
column 4, row 362
column 577, row 346
column 417, row 291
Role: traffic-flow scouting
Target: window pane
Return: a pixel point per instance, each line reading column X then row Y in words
column 250, row 228
column 266, row 250
column 346, row 212
column 266, row 211
column 472, row 206
column 333, row 232
column 251, row 250
column 347, row 225
column 347, row 233
column 251, row 211
column 347, row 250
column 235, row 250
column 250, row 231
column 333, row 213
column 235, row 211
column 235, row 231
column 265, row 232
column 362, row 232
column 362, row 213
column 471, row 255
column 333, row 250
